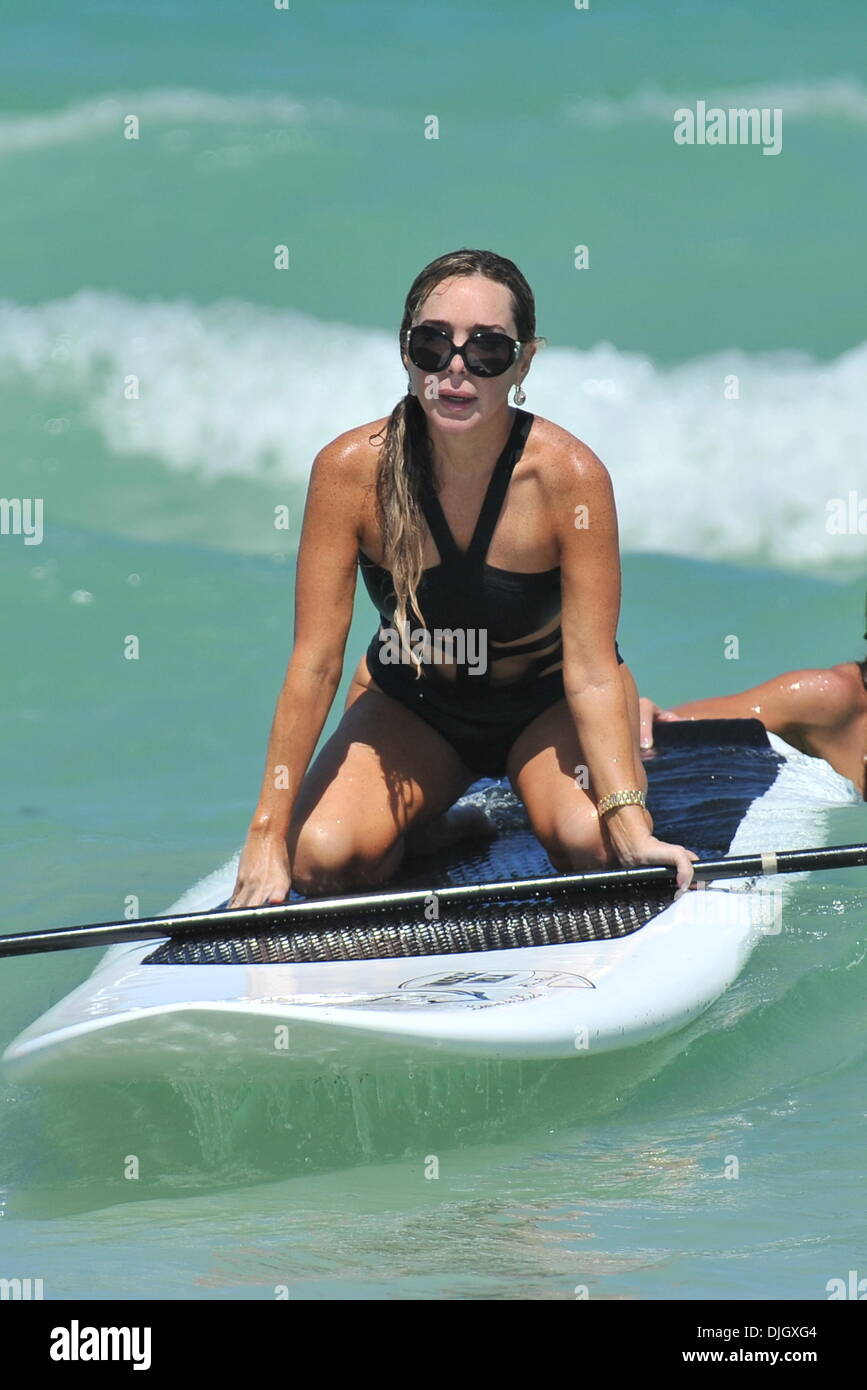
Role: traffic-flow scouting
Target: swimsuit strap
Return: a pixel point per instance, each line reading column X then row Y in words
column 491, row 506
column 466, row 566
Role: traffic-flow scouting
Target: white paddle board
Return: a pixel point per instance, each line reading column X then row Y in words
column 134, row 1019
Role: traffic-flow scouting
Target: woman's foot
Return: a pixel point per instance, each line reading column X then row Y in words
column 457, row 823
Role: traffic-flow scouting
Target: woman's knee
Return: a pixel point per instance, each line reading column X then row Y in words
column 569, row 858
column 329, row 856
column 576, row 843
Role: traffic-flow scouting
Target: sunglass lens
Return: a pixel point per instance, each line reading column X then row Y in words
column 489, row 354
column 429, row 349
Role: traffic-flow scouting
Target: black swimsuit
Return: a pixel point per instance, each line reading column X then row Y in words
column 481, row 721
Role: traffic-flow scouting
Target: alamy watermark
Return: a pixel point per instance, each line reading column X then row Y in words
column 77, row 1343
column 739, row 125
column 846, row 516
column 461, row 646
column 22, row 516
column 21, row 1289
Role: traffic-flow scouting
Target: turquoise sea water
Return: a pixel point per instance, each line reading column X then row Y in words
column 155, row 257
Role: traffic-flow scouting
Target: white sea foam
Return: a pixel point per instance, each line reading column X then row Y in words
column 834, row 98
column 238, row 390
column 83, row 120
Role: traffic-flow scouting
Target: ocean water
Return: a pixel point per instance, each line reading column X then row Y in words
column 154, row 257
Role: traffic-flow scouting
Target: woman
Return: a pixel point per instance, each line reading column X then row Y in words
column 496, row 531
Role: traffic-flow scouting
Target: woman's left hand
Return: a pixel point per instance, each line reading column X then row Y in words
column 652, row 851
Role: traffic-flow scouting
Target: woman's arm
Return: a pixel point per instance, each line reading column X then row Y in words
column 590, row 576
column 793, row 703
column 324, row 593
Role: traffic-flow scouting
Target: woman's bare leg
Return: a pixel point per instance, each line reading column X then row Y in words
column 383, row 774
column 542, row 768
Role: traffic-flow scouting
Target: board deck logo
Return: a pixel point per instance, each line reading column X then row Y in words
column 472, row 989
column 475, row 989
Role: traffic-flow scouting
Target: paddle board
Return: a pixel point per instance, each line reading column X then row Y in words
column 650, row 966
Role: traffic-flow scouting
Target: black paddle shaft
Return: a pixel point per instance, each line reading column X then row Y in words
column 258, row 920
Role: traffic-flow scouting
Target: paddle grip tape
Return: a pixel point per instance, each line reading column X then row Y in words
column 769, row 862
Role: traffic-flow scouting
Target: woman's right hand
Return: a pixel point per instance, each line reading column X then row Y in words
column 263, row 872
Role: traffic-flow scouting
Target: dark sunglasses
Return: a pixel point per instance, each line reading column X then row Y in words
column 483, row 354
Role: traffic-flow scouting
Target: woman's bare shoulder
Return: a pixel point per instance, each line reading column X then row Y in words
column 353, row 455
column 562, row 459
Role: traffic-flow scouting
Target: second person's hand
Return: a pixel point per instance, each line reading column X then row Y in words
column 647, row 713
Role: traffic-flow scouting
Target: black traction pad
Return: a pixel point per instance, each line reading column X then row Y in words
column 703, row 775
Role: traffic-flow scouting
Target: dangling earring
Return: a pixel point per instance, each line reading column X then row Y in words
column 409, row 390
column 520, row 394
